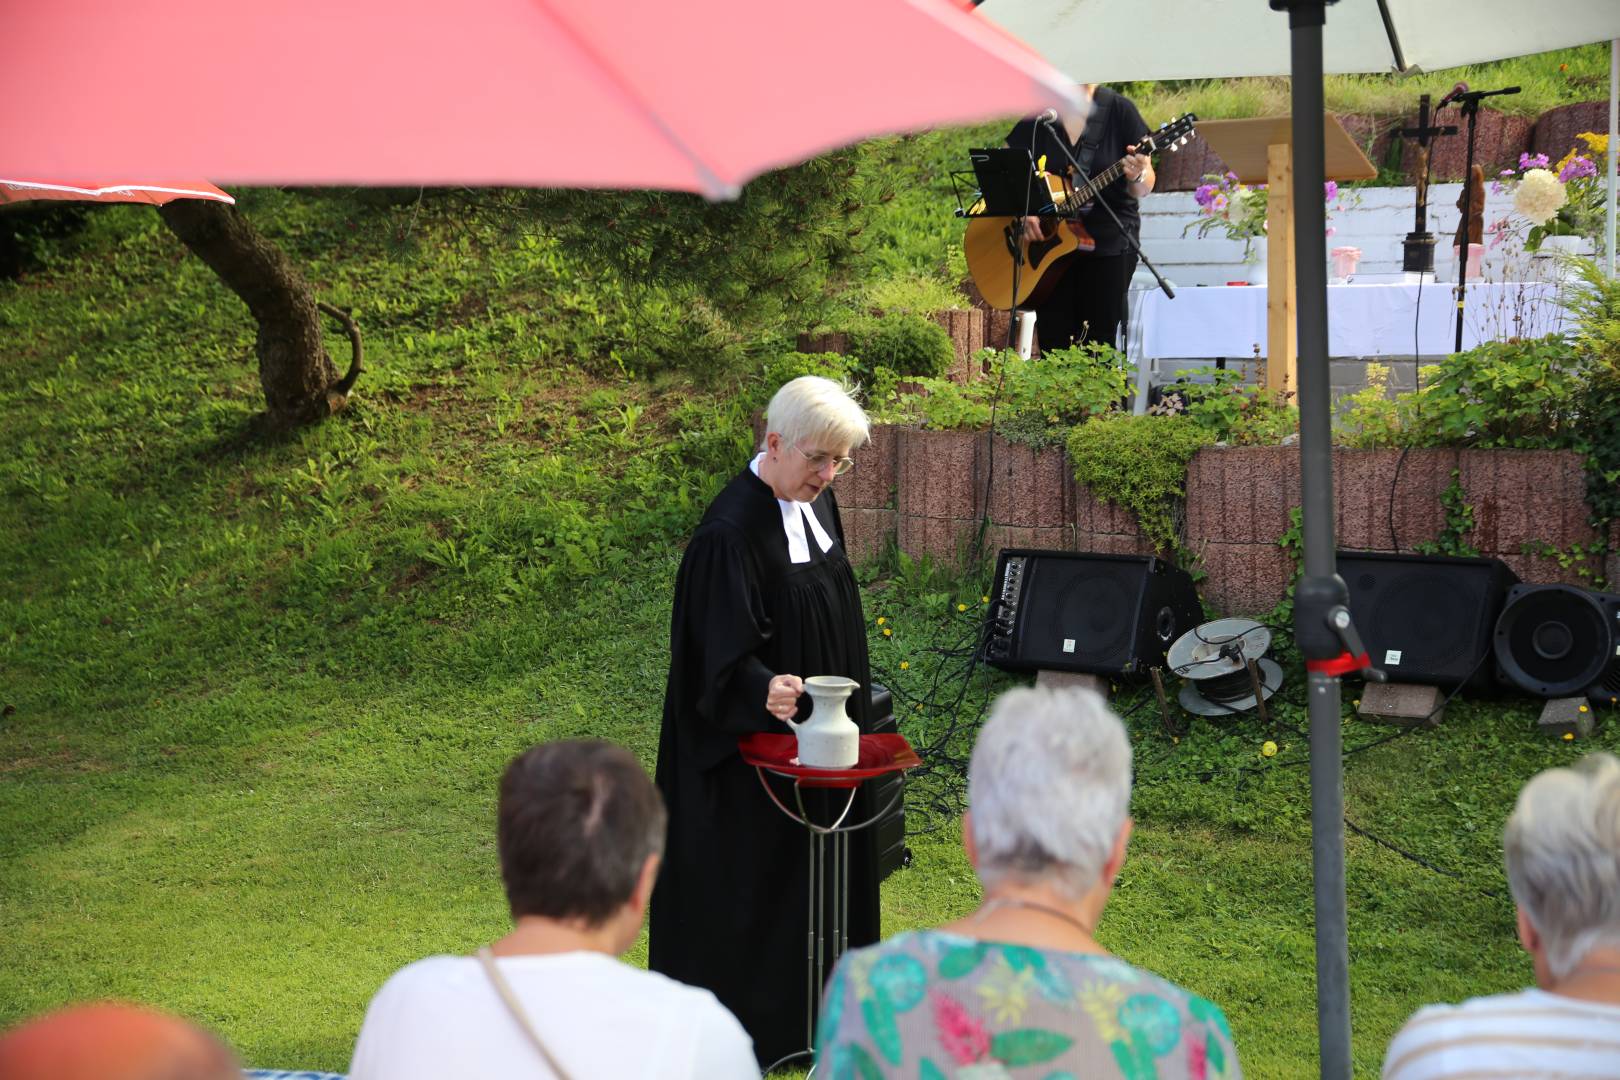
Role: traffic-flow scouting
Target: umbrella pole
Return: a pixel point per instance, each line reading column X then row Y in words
column 1320, row 599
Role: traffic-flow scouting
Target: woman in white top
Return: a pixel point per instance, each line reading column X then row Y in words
column 580, row 833
column 1563, row 865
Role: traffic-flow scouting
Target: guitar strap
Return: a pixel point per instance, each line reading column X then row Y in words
column 1091, row 138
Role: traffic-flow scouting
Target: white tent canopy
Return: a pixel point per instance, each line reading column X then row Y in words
column 1102, row 40
column 1091, row 40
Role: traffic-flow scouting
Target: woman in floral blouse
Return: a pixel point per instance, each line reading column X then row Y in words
column 1020, row 988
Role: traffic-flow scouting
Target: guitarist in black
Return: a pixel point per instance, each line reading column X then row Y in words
column 1088, row 303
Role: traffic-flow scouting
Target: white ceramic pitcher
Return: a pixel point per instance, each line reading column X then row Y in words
column 829, row 739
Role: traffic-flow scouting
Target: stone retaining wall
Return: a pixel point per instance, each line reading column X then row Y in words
column 928, row 489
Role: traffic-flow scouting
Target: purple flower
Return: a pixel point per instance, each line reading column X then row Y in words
column 1330, row 191
column 1576, row 169
column 1538, row 162
column 1204, row 195
column 1230, row 178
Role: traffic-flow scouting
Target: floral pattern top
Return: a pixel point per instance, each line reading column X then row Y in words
column 938, row 1006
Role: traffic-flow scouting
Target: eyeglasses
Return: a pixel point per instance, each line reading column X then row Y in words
column 818, row 461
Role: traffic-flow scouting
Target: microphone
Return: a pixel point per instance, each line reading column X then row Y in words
column 1456, row 92
column 1050, row 116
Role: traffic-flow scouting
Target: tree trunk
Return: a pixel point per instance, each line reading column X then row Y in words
column 300, row 383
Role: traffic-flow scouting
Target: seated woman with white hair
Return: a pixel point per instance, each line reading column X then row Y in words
column 1562, row 845
column 1022, row 981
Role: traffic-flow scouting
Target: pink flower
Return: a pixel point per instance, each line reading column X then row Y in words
column 963, row 1037
column 1538, row 162
column 1330, row 191
column 1197, row 1060
column 1331, row 230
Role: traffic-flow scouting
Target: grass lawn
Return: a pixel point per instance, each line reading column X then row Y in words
column 257, row 692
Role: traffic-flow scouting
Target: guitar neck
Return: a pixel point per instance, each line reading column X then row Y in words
column 1080, row 196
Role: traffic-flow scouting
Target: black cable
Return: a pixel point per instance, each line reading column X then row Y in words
column 1394, row 544
column 1418, row 859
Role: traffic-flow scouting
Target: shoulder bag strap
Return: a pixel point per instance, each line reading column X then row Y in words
column 515, row 1007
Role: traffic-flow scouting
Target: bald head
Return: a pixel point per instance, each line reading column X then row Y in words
column 113, row 1042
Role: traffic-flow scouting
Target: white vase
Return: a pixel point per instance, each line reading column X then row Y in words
column 829, row 739
column 1255, row 261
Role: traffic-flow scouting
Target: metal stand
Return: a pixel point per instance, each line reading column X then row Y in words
column 827, row 924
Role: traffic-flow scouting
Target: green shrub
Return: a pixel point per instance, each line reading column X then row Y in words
column 1232, row 410
column 1371, row 419
column 1595, row 304
column 1517, row 393
column 905, row 343
column 786, row 367
column 1140, row 463
column 1035, row 402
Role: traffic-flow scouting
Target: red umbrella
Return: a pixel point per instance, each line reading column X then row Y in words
column 15, row 191
column 700, row 95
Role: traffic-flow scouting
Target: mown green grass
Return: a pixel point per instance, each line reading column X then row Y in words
column 262, row 688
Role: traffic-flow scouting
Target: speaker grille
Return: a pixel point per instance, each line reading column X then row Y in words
column 1092, row 609
column 1426, row 618
column 1078, row 611
column 1421, row 612
column 1554, row 640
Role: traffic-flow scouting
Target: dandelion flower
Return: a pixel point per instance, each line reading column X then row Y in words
column 887, row 632
column 986, row 599
column 1540, row 196
column 961, row 607
column 905, row 665
column 881, row 620
column 1569, row 736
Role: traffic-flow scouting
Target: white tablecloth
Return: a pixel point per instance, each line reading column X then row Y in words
column 1363, row 320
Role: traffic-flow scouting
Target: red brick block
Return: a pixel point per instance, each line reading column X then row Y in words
column 1030, row 488
column 871, row 484
column 1245, row 579
column 966, row 330
column 945, row 539
column 866, row 532
column 939, row 473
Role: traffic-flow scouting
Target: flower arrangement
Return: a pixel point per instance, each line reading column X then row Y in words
column 1562, row 199
column 1239, row 209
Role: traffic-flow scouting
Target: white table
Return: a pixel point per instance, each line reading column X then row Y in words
column 1364, row 320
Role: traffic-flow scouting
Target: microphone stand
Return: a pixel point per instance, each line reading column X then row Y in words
column 1130, row 241
column 1470, row 108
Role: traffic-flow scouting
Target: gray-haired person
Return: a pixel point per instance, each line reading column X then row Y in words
column 580, row 831
column 1022, row 982
column 765, row 597
column 1562, row 846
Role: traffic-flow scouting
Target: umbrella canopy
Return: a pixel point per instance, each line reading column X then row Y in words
column 15, row 191
column 1225, row 38
column 701, row 95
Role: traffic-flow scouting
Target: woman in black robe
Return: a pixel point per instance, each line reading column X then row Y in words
column 765, row 596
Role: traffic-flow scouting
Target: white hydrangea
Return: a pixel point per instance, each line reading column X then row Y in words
column 1539, row 196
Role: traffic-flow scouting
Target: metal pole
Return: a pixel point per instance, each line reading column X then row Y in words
column 1614, row 138
column 1305, row 20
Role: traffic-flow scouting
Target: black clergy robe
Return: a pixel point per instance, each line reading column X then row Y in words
column 728, row 912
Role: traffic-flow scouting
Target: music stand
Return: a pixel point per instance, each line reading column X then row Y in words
column 1009, row 186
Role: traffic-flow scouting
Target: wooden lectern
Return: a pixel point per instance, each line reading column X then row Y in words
column 1261, row 151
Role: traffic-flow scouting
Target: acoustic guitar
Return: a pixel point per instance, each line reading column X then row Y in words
column 990, row 241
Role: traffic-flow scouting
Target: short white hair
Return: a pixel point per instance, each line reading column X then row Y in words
column 815, row 410
column 1562, row 845
column 1049, row 787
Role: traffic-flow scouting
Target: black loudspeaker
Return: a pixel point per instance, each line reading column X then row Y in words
column 1560, row 641
column 1070, row 611
column 889, row 833
column 1427, row 618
